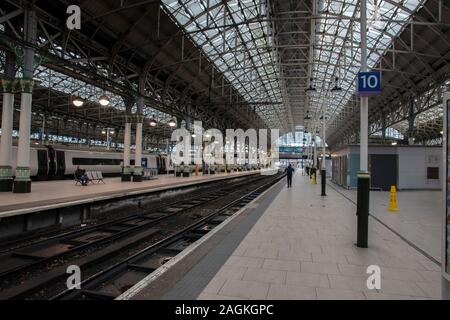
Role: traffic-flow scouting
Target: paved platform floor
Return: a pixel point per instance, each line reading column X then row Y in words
column 52, row 194
column 419, row 219
column 302, row 247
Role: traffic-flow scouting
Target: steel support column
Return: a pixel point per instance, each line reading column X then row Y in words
column 363, row 194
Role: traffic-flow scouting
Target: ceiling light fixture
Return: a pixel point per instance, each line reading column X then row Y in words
column 307, row 117
column 77, row 102
column 153, row 121
column 104, row 100
column 172, row 123
column 311, row 88
column 336, row 87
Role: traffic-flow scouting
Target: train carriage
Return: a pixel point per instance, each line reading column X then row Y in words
column 56, row 163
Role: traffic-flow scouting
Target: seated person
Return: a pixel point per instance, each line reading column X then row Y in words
column 80, row 174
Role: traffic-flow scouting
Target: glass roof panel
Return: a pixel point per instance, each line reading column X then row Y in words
column 233, row 34
column 237, row 45
column 337, row 49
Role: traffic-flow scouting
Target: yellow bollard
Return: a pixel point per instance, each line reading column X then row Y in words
column 393, row 200
column 314, row 179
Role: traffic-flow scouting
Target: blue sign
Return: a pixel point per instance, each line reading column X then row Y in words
column 369, row 83
column 144, row 162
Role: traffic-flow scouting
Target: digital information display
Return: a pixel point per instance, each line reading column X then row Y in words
column 446, row 233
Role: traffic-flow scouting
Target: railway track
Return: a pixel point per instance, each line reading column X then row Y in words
column 104, row 250
column 16, row 243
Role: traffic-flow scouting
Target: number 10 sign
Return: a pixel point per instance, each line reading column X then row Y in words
column 369, row 83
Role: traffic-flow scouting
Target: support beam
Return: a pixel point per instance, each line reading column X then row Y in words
column 363, row 192
column 7, row 85
column 137, row 175
column 22, row 182
column 6, row 180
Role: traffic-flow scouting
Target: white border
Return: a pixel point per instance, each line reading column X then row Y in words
column 445, row 101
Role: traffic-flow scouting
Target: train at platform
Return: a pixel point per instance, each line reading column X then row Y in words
column 57, row 163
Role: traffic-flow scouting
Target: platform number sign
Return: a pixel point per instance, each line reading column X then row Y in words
column 369, row 83
column 446, row 218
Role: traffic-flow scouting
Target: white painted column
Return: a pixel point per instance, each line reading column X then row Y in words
column 7, row 121
column 324, row 132
column 137, row 176
column 315, row 152
column 23, row 151
column 6, row 138
column 126, row 174
column 22, row 181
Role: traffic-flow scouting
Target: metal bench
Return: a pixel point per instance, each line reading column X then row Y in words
column 98, row 176
column 77, row 180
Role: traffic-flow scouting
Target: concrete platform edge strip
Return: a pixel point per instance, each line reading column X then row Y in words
column 141, row 285
column 418, row 249
column 100, row 197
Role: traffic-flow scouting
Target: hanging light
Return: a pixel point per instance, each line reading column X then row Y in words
column 77, row 101
column 193, row 135
column 103, row 132
column 336, row 87
column 311, row 88
column 172, row 123
column 153, row 121
column 307, row 117
column 104, row 100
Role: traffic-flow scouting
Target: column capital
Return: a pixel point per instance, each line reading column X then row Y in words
column 139, row 118
column 8, row 85
column 134, row 118
column 27, row 85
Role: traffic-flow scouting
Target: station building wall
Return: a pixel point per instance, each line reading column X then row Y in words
column 407, row 167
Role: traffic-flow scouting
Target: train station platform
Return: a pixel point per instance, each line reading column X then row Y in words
column 419, row 220
column 294, row 244
column 47, row 195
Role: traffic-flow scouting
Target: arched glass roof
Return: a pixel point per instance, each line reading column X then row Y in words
column 238, row 37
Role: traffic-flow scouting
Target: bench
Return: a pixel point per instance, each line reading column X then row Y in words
column 77, row 180
column 184, row 170
column 95, row 176
column 149, row 173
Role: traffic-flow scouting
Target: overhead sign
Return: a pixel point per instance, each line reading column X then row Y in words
column 446, row 218
column 369, row 83
column 290, row 152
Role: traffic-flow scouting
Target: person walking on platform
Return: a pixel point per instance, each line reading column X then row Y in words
column 289, row 171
